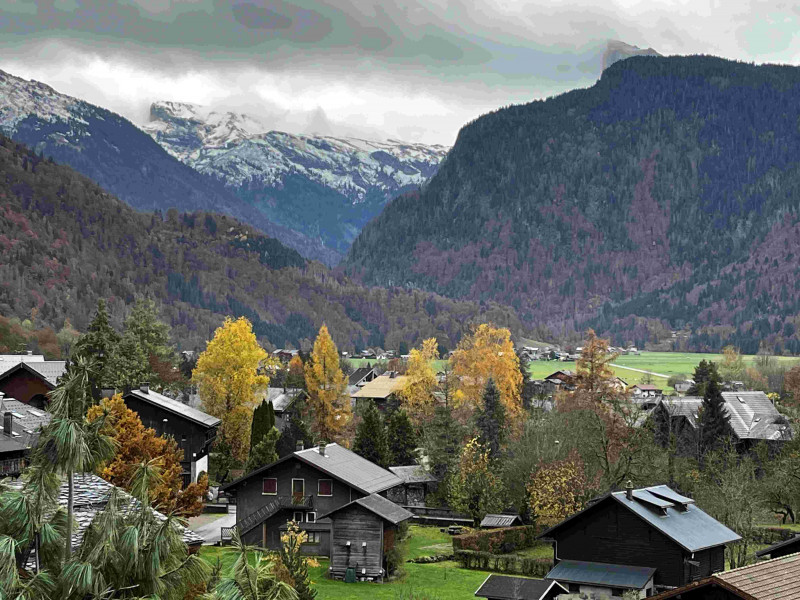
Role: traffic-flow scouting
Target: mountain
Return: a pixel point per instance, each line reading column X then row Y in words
column 65, row 242
column 617, row 51
column 664, row 197
column 324, row 187
column 122, row 159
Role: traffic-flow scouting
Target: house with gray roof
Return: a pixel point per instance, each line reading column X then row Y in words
column 417, row 483
column 301, row 487
column 507, row 587
column 282, row 401
column 29, row 378
column 21, row 427
column 654, row 528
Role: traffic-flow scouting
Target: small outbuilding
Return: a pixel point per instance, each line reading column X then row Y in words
column 496, row 521
column 783, row 548
column 507, row 587
column 417, row 484
column 363, row 533
column 602, row 579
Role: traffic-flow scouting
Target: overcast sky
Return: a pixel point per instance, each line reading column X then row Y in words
column 414, row 70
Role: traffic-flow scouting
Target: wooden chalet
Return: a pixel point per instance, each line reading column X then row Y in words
column 361, row 376
column 193, row 430
column 652, row 527
column 381, row 390
column 284, row 354
column 507, row 587
column 282, row 400
column 301, row 486
column 774, row 579
column 417, row 483
column 646, row 390
column 21, row 427
column 362, row 533
column 29, row 378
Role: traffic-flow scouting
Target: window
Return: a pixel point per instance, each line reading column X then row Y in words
column 298, row 487
column 270, row 486
column 325, row 487
column 297, row 516
column 311, row 517
column 313, row 537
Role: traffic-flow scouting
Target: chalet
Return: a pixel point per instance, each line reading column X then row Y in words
column 683, row 386
column 362, row 376
column 282, row 401
column 29, row 378
column 284, row 354
column 193, row 430
column 301, row 486
column 782, row 548
column 767, row 580
column 492, row 521
column 381, row 390
column 506, row 587
column 363, row 532
column 21, row 427
column 417, row 483
column 652, row 527
column 646, row 390
column 753, row 418
column 565, row 376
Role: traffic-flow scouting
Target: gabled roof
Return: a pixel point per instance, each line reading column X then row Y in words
column 282, row 398
column 339, row 463
column 500, row 520
column 793, row 543
column 385, row 509
column 49, row 371
column 359, row 374
column 413, row 474
column 382, row 387
column 603, row 574
column 507, row 587
column 27, row 423
column 673, row 515
column 174, row 406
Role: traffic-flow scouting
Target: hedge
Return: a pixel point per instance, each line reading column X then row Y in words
column 771, row 535
column 498, row 541
column 515, row 565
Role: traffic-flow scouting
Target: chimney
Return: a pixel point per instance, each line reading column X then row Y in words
column 629, row 490
column 30, row 352
column 299, row 445
column 145, row 387
column 8, row 420
column 322, row 446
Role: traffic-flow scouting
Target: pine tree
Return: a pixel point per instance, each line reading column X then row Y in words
column 491, row 420
column 402, row 439
column 296, row 430
column 127, row 366
column 371, row 442
column 526, row 389
column 441, row 442
column 263, row 422
column 98, row 343
column 714, row 419
column 264, row 452
column 702, row 374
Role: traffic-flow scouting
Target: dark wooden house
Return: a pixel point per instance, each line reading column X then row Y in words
column 300, row 487
column 782, row 548
column 29, row 378
column 507, row 587
column 652, row 527
column 193, row 430
column 363, row 533
column 417, row 484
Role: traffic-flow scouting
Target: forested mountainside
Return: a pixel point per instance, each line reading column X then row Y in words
column 665, row 196
column 124, row 160
column 65, row 242
column 324, row 187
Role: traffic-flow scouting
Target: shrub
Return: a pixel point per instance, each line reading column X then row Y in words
column 517, row 565
column 498, row 541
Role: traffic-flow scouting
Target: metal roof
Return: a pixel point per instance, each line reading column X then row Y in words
column 500, row 520
column 603, row 574
column 359, row 374
column 413, row 474
column 282, row 398
column 385, row 509
column 27, row 423
column 175, row 406
column 507, row 587
column 774, row 579
column 350, row 468
column 792, row 541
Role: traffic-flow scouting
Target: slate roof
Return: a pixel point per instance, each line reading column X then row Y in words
column 91, row 494
column 500, row 520
column 282, row 398
column 385, row 509
column 382, row 387
column 49, row 370
column 673, row 515
column 26, row 425
column 603, row 574
column 175, row 407
column 340, row 463
column 774, row 579
column 413, row 474
column 359, row 374
column 793, row 543
column 507, row 587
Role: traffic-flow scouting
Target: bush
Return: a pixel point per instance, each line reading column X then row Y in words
column 425, row 560
column 498, row 541
column 771, row 535
column 515, row 565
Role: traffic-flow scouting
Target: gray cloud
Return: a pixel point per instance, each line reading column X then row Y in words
column 405, row 68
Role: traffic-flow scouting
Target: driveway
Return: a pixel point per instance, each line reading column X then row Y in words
column 207, row 525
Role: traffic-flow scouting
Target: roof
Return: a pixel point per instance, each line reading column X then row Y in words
column 91, row 494
column 607, row 575
column 382, row 386
column 282, row 398
column 769, row 580
column 500, row 520
column 675, row 516
column 413, row 474
column 49, row 370
column 712, row 582
column 385, row 509
column 26, row 425
column 340, row 463
column 507, row 587
column 174, row 406
column 359, row 374
column 647, row 387
column 793, row 543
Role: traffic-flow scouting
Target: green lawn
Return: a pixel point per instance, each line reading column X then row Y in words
column 680, row 363
column 428, row 541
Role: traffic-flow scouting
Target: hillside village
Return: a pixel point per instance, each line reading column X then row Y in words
column 575, row 484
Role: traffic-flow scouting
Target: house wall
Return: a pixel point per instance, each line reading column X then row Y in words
column 356, row 525
column 25, row 387
column 268, row 534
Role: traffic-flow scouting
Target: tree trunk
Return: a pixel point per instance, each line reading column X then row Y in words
column 37, row 563
column 70, row 500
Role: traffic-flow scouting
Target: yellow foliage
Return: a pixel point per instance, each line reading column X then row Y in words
column 555, row 490
column 327, row 390
column 488, row 353
column 228, row 381
column 421, row 382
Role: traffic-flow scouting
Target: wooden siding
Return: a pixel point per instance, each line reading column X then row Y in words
column 25, row 387
column 357, row 525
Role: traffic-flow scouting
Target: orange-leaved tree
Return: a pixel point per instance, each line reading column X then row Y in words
column 229, row 382
column 421, row 382
column 137, row 444
column 326, row 385
column 488, row 353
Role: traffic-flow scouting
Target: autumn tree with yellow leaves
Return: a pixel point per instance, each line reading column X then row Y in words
column 555, row 489
column 326, row 386
column 488, row 353
column 229, row 382
column 421, row 383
